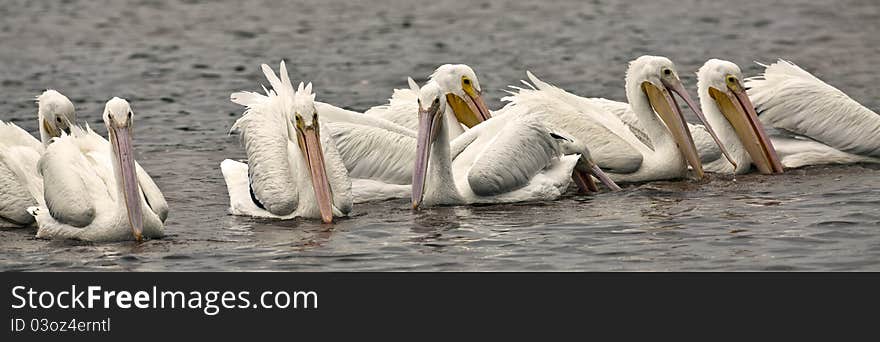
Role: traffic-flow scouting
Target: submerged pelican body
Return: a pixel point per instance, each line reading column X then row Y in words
column 293, row 168
column 727, row 107
column 646, row 139
column 499, row 160
column 816, row 122
column 93, row 188
column 21, row 185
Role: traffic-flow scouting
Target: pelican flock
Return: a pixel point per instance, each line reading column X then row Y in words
column 378, row 146
column 643, row 140
column 437, row 144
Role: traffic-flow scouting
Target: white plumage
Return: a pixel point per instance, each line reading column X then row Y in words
column 86, row 187
column 502, row 159
column 374, row 153
column 400, row 108
column 279, row 179
column 450, row 78
column 378, row 146
column 629, row 141
column 732, row 115
column 374, row 150
column 827, row 126
column 611, row 140
column 21, row 185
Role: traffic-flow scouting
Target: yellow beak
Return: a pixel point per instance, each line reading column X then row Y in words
column 739, row 111
column 666, row 107
column 470, row 110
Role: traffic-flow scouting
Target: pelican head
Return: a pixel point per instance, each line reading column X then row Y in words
column 463, row 93
column 308, row 137
column 722, row 82
column 56, row 114
column 656, row 77
column 118, row 118
column 432, row 104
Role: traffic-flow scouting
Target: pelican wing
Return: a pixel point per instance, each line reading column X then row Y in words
column 612, row 144
column 249, row 99
column 337, row 174
column 401, row 109
column 789, row 98
column 330, row 113
column 155, row 199
column 797, row 151
column 69, row 180
column 266, row 142
column 11, row 136
column 14, row 197
column 20, row 186
column 375, row 153
column 510, row 160
column 621, row 110
column 624, row 111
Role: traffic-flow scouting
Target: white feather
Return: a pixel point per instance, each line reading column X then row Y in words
column 791, row 99
column 83, row 199
column 498, row 161
column 512, row 158
column 20, row 184
column 630, row 150
column 401, row 109
column 276, row 173
column 614, row 147
column 374, row 153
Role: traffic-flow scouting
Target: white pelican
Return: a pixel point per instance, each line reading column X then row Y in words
column 819, row 123
column 93, row 188
column 629, row 141
column 21, row 185
column 293, row 169
column 463, row 93
column 370, row 143
column 727, row 107
column 499, row 160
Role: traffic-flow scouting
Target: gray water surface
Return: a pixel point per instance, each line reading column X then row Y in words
column 177, row 62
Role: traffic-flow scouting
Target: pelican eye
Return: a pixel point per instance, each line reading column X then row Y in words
column 731, row 79
column 436, row 101
column 58, row 119
column 467, row 81
column 667, row 72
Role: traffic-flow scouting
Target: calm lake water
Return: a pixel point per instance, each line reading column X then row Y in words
column 178, row 61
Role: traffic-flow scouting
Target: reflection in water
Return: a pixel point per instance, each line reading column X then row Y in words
column 430, row 224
